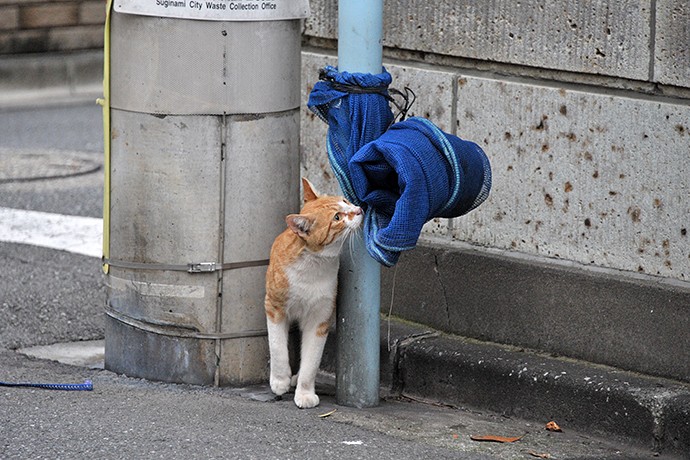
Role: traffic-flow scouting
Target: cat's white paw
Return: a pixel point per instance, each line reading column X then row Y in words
column 305, row 400
column 280, row 385
column 293, row 381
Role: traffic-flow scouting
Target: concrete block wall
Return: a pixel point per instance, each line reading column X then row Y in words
column 36, row 26
column 584, row 111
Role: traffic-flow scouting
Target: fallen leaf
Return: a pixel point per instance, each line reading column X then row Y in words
column 553, row 426
column 328, row 414
column 534, row 454
column 455, row 436
column 491, row 438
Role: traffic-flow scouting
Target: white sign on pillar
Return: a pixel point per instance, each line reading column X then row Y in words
column 217, row 10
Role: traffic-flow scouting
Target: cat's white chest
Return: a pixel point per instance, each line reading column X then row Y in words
column 312, row 281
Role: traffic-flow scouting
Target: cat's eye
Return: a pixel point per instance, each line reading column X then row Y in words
column 336, row 217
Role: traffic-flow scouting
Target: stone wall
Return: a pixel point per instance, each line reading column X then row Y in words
column 589, row 147
column 33, row 26
column 584, row 111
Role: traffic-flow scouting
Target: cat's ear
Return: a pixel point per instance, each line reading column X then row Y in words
column 300, row 224
column 310, row 192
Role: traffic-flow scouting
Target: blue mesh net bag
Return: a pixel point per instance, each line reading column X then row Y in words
column 356, row 109
column 403, row 174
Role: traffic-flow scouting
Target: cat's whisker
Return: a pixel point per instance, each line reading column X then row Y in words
column 354, row 233
column 351, row 247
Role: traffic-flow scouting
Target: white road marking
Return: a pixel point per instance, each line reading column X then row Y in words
column 77, row 234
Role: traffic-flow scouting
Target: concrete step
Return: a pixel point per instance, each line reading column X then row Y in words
column 424, row 364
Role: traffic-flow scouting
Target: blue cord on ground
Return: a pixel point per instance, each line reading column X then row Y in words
column 86, row 386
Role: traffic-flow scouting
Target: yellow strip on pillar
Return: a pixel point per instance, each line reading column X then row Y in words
column 105, row 103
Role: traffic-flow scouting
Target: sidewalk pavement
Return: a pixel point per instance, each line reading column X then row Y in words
column 131, row 418
column 437, row 389
column 424, row 364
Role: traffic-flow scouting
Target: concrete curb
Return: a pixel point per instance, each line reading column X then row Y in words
column 422, row 363
column 31, row 79
column 621, row 319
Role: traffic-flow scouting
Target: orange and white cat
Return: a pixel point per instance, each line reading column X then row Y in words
column 301, row 285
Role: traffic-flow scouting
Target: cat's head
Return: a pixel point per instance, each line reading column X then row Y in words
column 324, row 221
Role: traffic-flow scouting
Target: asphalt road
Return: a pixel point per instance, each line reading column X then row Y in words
column 49, row 296
column 60, row 132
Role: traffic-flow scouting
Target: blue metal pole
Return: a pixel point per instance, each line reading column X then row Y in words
column 360, row 29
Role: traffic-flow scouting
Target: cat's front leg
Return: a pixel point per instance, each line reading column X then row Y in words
column 314, row 336
column 281, row 374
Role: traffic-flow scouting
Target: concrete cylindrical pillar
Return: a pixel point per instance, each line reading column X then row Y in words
column 204, row 166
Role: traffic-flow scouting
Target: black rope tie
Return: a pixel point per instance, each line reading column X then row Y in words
column 408, row 99
column 401, row 100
